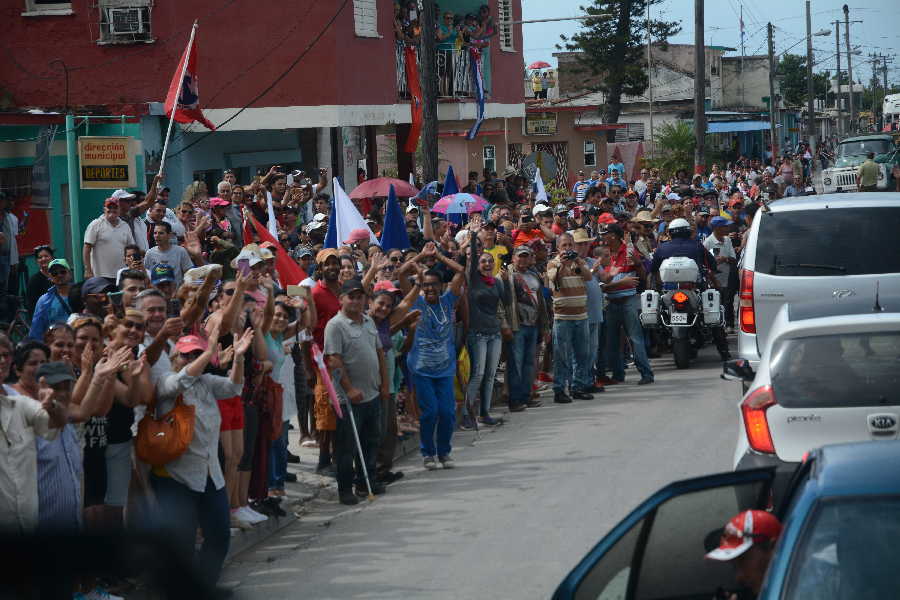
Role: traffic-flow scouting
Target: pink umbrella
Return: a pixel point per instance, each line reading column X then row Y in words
column 539, row 65
column 380, row 186
column 461, row 203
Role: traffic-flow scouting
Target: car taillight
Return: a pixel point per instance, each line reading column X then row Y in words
column 746, row 312
column 753, row 409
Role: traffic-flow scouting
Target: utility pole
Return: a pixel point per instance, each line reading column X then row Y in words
column 837, row 95
column 875, row 59
column 852, row 128
column 810, row 103
column 650, row 78
column 743, row 102
column 699, row 90
column 772, row 132
column 428, row 58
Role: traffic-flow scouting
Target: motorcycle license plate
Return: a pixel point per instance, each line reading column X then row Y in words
column 679, row 319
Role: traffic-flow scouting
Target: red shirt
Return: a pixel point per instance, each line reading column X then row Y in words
column 624, row 260
column 327, row 305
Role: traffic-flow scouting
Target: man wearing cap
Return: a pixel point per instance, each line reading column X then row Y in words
column 53, row 306
column 701, row 222
column 359, row 239
column 720, row 246
column 162, row 277
column 128, row 214
column 356, row 360
column 325, row 300
column 166, row 253
column 93, row 296
column 104, row 242
column 748, row 542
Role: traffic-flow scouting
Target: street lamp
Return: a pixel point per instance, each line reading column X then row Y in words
column 823, row 32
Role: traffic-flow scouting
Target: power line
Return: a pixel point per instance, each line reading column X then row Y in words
column 271, row 86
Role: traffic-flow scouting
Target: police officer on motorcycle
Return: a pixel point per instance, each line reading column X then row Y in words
column 681, row 244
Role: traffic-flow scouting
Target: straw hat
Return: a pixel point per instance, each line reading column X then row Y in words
column 580, row 236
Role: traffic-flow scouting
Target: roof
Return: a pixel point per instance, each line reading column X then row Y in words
column 848, row 200
column 859, row 468
column 859, row 138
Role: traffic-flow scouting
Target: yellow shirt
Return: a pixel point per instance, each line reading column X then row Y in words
column 536, row 84
column 868, row 173
column 497, row 252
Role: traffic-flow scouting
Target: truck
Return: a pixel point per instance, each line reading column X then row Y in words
column 851, row 152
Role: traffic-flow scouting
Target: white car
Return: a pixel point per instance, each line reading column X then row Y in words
column 816, row 248
column 830, row 373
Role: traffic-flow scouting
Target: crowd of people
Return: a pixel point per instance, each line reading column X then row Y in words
column 187, row 317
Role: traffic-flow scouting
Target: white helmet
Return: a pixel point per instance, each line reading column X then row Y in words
column 678, row 224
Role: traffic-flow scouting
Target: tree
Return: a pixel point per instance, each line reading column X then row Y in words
column 673, row 149
column 791, row 71
column 613, row 46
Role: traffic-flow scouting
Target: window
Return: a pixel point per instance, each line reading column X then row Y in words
column 47, row 7
column 633, row 132
column 505, row 17
column 590, row 153
column 365, row 18
column 125, row 21
column 490, row 158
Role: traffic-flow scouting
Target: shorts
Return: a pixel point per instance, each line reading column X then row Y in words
column 232, row 411
column 118, row 473
column 326, row 420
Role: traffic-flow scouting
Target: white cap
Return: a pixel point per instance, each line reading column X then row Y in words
column 539, row 208
column 411, row 208
column 319, row 217
column 250, row 252
column 313, row 225
column 461, row 236
column 679, row 223
column 673, row 196
column 119, row 194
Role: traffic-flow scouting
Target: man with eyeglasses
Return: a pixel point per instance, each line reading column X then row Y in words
column 53, row 306
column 104, row 242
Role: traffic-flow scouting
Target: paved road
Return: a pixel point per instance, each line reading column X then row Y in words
column 525, row 503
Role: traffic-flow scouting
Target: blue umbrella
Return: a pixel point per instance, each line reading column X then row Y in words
column 393, row 234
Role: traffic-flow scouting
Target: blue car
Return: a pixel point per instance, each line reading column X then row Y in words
column 840, row 536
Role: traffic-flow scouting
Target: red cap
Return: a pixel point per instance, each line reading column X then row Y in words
column 744, row 529
column 385, row 286
column 189, row 343
column 357, row 235
column 218, row 202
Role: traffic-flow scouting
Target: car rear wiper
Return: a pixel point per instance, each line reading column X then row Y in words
column 813, row 266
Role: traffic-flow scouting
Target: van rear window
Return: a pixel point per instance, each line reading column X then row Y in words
column 829, row 242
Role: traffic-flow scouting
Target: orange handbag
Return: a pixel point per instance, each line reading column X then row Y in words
column 162, row 440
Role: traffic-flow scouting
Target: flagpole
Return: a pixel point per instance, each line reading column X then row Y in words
column 187, row 58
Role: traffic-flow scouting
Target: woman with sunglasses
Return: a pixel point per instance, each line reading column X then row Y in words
column 39, row 283
column 53, row 306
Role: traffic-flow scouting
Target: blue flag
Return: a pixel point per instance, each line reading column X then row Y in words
column 331, row 234
column 393, row 234
column 451, row 188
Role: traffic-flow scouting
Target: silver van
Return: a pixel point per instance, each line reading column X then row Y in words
column 817, row 248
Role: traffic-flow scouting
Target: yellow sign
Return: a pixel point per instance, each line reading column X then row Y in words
column 106, row 162
column 540, row 123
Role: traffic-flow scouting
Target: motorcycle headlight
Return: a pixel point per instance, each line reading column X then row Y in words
column 827, row 181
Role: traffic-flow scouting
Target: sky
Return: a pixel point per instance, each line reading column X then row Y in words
column 879, row 32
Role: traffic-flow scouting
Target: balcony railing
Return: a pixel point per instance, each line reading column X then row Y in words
column 454, row 73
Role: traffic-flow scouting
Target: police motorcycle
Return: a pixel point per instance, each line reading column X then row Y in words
column 684, row 309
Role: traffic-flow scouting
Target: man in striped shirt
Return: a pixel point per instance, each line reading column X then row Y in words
column 566, row 277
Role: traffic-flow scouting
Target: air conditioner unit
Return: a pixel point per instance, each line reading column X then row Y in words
column 125, row 21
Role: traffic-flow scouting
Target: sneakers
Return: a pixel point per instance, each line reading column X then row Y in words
column 467, row 424
column 309, row 443
column 579, row 395
column 646, row 380
column 245, row 513
column 594, row 389
column 293, row 458
column 430, row 463
column 290, row 477
column 517, row 408
column 389, row 477
column 560, row 397
column 490, row 421
column 447, row 462
column 348, row 498
column 238, row 523
column 534, row 404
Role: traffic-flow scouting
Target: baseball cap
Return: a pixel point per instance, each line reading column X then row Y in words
column 350, row 286
column 250, row 252
column 411, row 208
column 55, row 372
column 59, row 262
column 219, row 202
column 539, row 208
column 97, row 285
column 303, row 251
column 386, row 286
column 162, row 273
column 111, row 202
column 326, row 253
column 357, row 235
column 703, row 210
column 523, row 249
column 742, row 531
column 189, row 343
column 122, row 195
column 719, row 222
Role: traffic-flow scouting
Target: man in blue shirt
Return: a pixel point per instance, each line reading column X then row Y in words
column 53, row 306
column 614, row 179
column 702, row 221
column 617, row 166
column 579, row 190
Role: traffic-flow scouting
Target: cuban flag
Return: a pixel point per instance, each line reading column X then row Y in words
column 477, row 76
column 187, row 109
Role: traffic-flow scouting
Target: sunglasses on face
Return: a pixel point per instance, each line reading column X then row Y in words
column 395, row 259
column 57, row 272
column 136, row 325
column 229, row 292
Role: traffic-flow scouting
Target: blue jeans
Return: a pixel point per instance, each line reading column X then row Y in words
column 367, row 416
column 570, row 341
column 520, row 366
column 600, row 360
column 625, row 315
column 278, row 452
column 182, row 510
column 484, row 354
column 593, row 346
column 437, row 408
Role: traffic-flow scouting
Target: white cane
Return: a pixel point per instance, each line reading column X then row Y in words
column 362, row 458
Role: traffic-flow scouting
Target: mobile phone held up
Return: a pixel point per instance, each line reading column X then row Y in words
column 243, row 266
column 173, row 308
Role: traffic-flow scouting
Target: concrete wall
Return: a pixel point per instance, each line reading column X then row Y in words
column 753, row 82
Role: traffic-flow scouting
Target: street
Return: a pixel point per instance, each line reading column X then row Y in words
column 524, row 505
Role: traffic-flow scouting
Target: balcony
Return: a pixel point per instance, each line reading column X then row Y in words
column 454, row 73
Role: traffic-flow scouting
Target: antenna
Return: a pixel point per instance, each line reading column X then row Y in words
column 877, row 307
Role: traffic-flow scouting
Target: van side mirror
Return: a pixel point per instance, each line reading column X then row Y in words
column 738, row 369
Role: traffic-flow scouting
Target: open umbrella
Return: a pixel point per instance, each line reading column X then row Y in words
column 539, row 64
column 380, row 186
column 461, row 203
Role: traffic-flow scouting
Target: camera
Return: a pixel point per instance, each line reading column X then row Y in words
column 569, row 255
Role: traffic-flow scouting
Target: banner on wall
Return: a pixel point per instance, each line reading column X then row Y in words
column 478, row 78
column 107, row 162
column 415, row 99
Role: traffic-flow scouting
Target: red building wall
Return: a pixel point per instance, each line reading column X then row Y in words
column 241, row 51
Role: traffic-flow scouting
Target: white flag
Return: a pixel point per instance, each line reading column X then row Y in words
column 412, row 179
column 272, row 225
column 345, row 217
column 540, row 194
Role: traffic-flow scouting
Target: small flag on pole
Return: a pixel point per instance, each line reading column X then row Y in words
column 344, row 219
column 184, row 85
column 540, row 194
